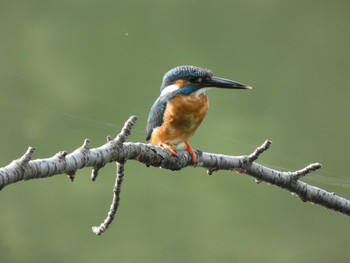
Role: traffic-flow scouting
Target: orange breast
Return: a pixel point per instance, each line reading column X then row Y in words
column 182, row 117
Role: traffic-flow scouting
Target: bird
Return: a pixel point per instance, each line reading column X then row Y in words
column 181, row 107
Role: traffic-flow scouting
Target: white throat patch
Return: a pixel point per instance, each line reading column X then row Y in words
column 200, row 91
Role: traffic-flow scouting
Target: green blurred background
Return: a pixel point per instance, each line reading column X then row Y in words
column 71, row 70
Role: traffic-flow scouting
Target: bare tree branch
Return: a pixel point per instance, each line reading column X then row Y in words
column 117, row 150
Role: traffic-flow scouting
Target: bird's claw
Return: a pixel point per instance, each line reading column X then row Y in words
column 191, row 152
column 168, row 147
column 174, row 153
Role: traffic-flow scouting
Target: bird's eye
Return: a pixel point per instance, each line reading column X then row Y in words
column 192, row 79
column 199, row 80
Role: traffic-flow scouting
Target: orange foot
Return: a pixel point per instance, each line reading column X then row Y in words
column 167, row 146
column 174, row 153
column 191, row 152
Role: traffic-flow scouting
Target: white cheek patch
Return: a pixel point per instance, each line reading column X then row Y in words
column 200, row 91
column 169, row 89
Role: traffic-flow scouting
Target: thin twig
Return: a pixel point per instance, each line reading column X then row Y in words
column 255, row 155
column 308, row 169
column 98, row 230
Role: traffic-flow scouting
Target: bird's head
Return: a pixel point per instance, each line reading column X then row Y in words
column 188, row 80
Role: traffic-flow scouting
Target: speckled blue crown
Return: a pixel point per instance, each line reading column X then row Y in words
column 184, row 72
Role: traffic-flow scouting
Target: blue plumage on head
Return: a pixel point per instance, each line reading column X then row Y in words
column 185, row 73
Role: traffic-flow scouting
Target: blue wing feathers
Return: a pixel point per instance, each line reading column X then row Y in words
column 155, row 117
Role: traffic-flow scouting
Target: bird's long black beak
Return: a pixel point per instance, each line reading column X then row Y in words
column 217, row 82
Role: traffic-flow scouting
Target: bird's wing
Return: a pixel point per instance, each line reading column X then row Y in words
column 155, row 117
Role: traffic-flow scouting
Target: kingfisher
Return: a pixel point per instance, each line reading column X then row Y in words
column 181, row 107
